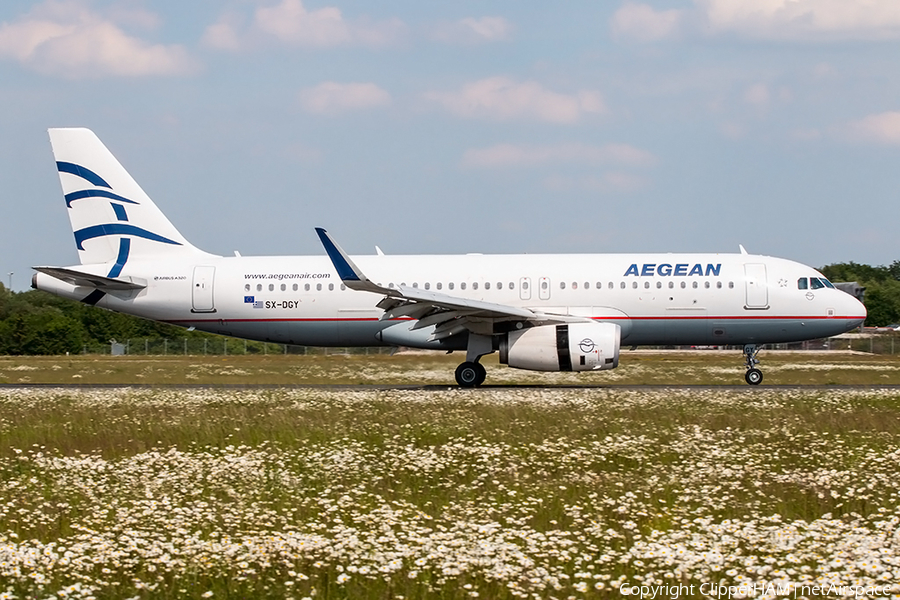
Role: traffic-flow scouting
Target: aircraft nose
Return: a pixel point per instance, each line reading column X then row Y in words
column 854, row 310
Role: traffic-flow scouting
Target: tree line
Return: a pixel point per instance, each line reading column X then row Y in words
column 36, row 322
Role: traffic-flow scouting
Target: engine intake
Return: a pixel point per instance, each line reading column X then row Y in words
column 568, row 347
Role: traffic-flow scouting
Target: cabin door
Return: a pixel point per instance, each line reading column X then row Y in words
column 757, row 290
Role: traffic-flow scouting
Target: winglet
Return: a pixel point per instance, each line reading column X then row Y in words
column 346, row 269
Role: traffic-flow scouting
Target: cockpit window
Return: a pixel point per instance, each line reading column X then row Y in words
column 827, row 283
column 802, row 283
column 815, row 283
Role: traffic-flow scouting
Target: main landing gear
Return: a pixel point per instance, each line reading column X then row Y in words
column 753, row 376
column 472, row 373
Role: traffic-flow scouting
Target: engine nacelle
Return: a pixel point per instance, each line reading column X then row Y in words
column 569, row 347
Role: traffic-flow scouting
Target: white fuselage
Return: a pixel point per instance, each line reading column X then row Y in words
column 655, row 298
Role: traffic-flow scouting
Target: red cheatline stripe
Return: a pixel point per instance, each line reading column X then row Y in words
column 611, row 318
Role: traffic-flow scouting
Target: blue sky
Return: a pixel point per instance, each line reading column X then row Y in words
column 691, row 125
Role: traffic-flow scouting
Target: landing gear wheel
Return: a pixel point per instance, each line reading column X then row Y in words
column 482, row 374
column 470, row 374
column 754, row 376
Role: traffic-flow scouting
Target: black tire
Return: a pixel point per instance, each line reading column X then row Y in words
column 482, row 374
column 468, row 374
column 754, row 376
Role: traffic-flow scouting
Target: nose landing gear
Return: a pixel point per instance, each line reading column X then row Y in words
column 753, row 376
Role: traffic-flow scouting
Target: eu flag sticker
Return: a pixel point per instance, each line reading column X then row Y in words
column 248, row 300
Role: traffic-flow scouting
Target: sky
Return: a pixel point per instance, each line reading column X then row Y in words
column 454, row 127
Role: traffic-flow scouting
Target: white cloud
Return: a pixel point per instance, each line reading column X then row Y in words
column 473, row 31
column 757, row 95
column 512, row 155
column 502, row 98
column 882, row 128
column 804, row 19
column 291, row 23
column 66, row 39
column 224, row 34
column 331, row 97
column 642, row 23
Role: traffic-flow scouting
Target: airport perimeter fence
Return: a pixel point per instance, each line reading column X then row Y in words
column 221, row 346
column 215, row 347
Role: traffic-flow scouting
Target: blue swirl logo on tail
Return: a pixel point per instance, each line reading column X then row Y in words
column 120, row 228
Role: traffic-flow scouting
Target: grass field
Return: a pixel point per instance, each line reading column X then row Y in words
column 503, row 492
column 638, row 367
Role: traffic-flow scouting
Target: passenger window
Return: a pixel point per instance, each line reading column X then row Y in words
column 634, row 285
column 283, row 287
column 562, row 285
column 247, row 288
column 271, row 287
column 500, row 286
column 487, row 285
column 416, row 284
column 599, row 286
column 683, row 285
column 439, row 286
column 587, row 285
column 512, row 285
column 694, row 285
column 730, row 285
column 574, row 285
column 330, row 287
column 658, row 284
column 318, row 287
column 706, row 285
column 815, row 284
column 462, row 286
column 610, row 286
column 343, row 287
column 622, row 285
column 295, row 287
column 390, row 285
column 258, row 287
column 450, row 285
column 475, row 285
column 427, row 286
column 524, row 285
column 306, row 287
column 802, row 283
column 543, row 285
column 646, row 285
column 719, row 284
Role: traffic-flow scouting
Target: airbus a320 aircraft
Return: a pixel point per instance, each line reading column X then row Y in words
column 540, row 312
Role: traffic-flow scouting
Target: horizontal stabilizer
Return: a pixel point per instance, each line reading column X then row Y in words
column 90, row 280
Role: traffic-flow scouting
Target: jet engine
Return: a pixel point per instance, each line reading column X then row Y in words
column 568, row 347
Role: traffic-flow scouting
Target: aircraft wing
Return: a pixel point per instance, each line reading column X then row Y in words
column 449, row 314
column 89, row 280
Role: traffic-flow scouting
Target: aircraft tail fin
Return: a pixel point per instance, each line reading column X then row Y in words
column 112, row 218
